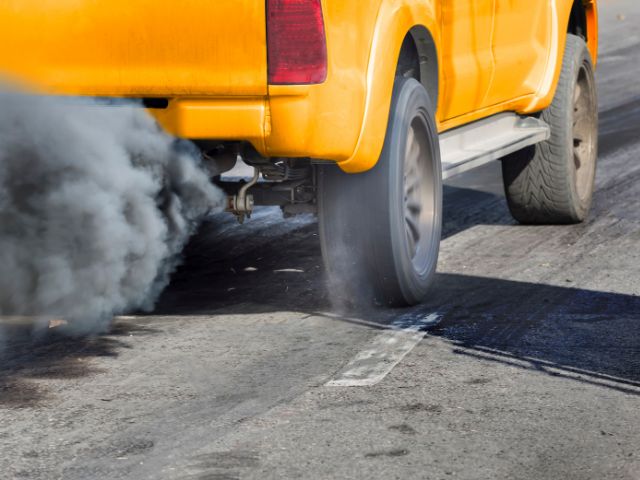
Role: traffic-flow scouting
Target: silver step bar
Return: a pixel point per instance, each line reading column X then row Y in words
column 489, row 139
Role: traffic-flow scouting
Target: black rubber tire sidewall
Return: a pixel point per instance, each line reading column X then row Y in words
column 361, row 215
column 411, row 100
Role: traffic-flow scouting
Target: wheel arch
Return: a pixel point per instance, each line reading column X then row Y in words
column 404, row 32
column 568, row 17
column 583, row 22
column 420, row 46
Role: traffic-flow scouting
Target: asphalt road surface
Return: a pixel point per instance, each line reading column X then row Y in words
column 527, row 365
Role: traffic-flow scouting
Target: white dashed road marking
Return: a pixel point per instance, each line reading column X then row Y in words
column 370, row 366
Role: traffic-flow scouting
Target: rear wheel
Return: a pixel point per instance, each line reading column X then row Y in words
column 380, row 230
column 552, row 182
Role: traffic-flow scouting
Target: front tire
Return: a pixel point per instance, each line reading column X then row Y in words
column 380, row 230
column 552, row 182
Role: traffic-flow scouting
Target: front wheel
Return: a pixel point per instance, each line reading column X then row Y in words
column 552, row 182
column 380, row 230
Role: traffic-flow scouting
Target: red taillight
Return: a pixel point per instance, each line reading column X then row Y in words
column 296, row 42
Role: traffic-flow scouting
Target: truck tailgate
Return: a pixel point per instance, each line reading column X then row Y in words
column 136, row 47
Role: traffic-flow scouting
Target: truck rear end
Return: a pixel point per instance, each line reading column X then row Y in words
column 202, row 67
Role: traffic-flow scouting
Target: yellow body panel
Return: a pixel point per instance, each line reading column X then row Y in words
column 209, row 59
column 521, row 46
column 136, row 47
column 466, row 54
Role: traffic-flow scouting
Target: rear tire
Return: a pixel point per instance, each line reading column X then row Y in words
column 380, row 230
column 552, row 182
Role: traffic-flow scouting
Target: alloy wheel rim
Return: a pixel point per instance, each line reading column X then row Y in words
column 418, row 195
column 584, row 131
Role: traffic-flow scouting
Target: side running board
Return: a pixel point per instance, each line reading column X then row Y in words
column 481, row 142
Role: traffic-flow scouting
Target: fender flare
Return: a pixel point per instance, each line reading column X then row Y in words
column 561, row 13
column 394, row 21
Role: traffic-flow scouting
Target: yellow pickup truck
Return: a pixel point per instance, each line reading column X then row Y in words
column 354, row 109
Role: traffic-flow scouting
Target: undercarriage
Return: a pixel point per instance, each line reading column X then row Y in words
column 289, row 183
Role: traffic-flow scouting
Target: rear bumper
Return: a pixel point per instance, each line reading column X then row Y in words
column 292, row 121
column 244, row 119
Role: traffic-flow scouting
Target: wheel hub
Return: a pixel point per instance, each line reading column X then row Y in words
column 419, row 201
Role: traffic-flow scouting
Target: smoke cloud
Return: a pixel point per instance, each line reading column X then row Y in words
column 96, row 204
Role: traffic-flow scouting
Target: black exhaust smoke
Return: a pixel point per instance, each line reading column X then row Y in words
column 96, row 204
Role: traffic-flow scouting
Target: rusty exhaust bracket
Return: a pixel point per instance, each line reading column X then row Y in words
column 241, row 205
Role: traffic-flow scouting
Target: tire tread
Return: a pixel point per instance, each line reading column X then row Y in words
column 537, row 179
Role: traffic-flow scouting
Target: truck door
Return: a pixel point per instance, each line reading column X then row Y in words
column 467, row 56
column 521, row 46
